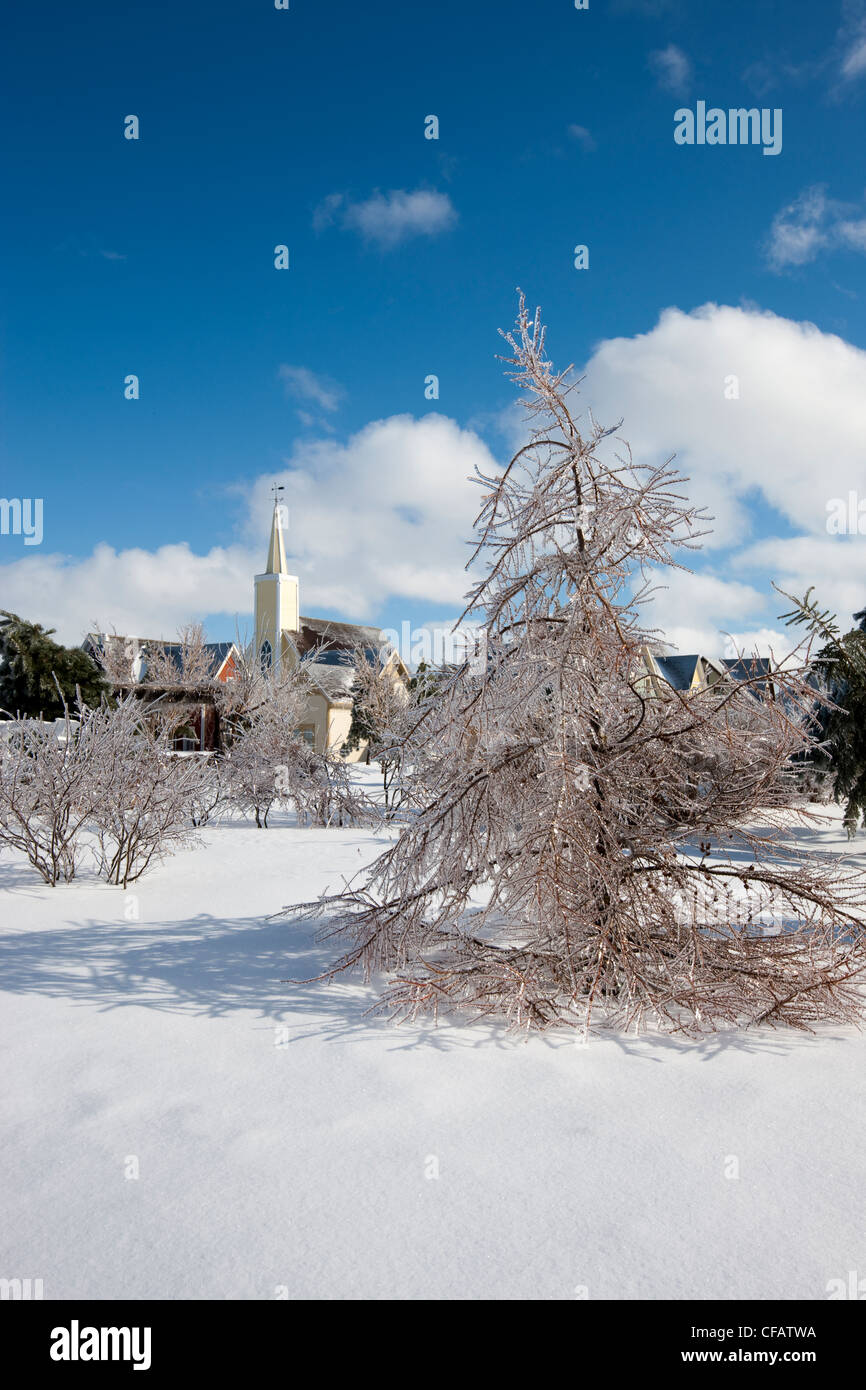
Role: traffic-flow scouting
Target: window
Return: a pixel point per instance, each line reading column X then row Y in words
column 308, row 734
column 266, row 655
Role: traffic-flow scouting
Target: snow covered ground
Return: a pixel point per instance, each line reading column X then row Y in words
column 288, row 1146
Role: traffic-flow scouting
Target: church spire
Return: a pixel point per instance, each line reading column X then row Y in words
column 276, row 549
column 276, row 603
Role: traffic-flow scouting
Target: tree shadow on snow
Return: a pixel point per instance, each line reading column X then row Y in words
column 215, row 967
column 201, row 964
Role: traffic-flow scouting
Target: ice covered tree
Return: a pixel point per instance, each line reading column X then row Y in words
column 267, row 762
column 840, row 669
column 104, row 784
column 144, row 801
column 263, row 713
column 591, row 846
column 46, row 795
column 184, row 664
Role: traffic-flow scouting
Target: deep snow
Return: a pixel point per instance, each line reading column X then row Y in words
column 284, row 1141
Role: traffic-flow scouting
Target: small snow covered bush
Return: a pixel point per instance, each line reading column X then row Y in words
column 144, row 799
column 103, row 784
column 45, row 795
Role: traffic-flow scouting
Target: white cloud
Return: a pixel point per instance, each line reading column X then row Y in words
column 694, row 611
column 795, row 433
column 852, row 233
column 851, row 42
column 140, row 592
column 672, row 68
column 384, row 516
column 305, row 385
column 791, row 442
column 835, row 565
column 389, row 218
column 799, row 231
column 813, row 223
column 327, row 212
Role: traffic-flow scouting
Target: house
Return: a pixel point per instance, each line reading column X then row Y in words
column 666, row 668
column 192, row 706
column 755, row 669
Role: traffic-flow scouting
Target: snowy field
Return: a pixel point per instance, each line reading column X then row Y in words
column 287, row 1146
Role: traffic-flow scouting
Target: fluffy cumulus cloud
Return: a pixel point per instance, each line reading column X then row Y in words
column 148, row 593
column 387, row 219
column 383, row 516
column 702, row 612
column 767, row 417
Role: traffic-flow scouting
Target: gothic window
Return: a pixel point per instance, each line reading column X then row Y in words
column 266, row 655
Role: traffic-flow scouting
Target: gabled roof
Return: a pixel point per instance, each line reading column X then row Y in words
column 678, row 671
column 317, row 632
column 218, row 652
column 751, row 668
column 747, row 667
column 335, row 682
column 329, row 648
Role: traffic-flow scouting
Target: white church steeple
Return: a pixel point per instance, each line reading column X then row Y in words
column 276, row 596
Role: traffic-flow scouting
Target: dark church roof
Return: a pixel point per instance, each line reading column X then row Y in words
column 329, row 648
column 345, row 637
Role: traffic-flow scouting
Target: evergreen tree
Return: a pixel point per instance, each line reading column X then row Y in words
column 841, row 669
column 379, row 704
column 32, row 667
column 363, row 728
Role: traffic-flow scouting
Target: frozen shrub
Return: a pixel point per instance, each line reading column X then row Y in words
column 587, row 844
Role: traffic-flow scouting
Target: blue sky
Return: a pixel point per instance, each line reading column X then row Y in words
column 306, row 127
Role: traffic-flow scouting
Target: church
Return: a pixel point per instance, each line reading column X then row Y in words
column 282, row 635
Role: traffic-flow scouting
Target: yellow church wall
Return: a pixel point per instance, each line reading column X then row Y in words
column 330, row 725
column 316, row 715
column 339, row 723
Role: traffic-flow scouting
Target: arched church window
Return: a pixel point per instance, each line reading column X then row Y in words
column 266, row 655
